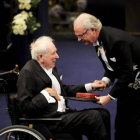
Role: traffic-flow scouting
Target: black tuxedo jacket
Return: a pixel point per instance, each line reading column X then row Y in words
column 123, row 52
column 31, row 81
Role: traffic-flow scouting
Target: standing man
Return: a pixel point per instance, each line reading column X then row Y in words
column 119, row 53
column 41, row 94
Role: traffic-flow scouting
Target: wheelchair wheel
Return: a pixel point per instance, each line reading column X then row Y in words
column 20, row 132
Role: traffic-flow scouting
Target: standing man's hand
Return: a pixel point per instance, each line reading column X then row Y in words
column 98, row 85
column 103, row 100
column 101, row 82
column 53, row 92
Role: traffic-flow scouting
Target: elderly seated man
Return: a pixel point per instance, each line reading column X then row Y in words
column 41, row 94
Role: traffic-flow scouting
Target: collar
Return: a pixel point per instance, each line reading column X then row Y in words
column 49, row 71
column 96, row 43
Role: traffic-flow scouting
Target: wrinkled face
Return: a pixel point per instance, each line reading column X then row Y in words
column 87, row 36
column 48, row 59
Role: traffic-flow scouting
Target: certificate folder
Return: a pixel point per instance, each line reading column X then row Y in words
column 82, row 97
column 87, row 95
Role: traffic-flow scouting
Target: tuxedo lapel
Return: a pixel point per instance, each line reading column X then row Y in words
column 107, row 49
column 102, row 54
column 42, row 74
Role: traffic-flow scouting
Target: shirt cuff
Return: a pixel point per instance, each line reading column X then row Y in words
column 49, row 98
column 112, row 97
column 88, row 87
column 107, row 80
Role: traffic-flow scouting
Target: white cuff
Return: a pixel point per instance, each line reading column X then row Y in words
column 107, row 80
column 112, row 97
column 61, row 105
column 49, row 98
column 88, row 87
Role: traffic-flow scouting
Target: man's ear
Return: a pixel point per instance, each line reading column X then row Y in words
column 40, row 56
column 93, row 29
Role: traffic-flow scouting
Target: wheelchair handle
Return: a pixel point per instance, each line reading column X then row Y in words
column 5, row 73
column 15, row 71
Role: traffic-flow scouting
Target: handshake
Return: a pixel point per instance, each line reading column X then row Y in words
column 99, row 85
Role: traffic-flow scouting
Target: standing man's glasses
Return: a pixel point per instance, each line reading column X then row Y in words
column 80, row 36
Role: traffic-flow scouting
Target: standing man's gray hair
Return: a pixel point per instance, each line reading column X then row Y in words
column 39, row 46
column 88, row 21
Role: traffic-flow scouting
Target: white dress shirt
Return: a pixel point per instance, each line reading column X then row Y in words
column 102, row 53
column 56, row 86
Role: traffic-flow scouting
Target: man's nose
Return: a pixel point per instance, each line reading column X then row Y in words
column 79, row 38
column 57, row 56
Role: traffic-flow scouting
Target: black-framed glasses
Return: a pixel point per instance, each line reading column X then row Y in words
column 80, row 36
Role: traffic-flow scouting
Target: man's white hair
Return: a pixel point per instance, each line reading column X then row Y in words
column 39, row 46
column 88, row 21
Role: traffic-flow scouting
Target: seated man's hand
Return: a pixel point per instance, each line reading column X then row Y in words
column 53, row 93
column 99, row 85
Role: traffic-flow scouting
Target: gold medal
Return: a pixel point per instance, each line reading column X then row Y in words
column 98, row 53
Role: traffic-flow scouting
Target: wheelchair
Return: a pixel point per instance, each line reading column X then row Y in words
column 24, row 128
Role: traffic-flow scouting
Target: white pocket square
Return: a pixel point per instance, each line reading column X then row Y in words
column 135, row 67
column 113, row 59
column 61, row 77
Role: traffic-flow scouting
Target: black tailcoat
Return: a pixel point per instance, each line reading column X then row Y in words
column 32, row 80
column 123, row 53
column 125, row 49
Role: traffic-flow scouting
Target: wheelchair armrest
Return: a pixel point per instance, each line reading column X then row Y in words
column 40, row 119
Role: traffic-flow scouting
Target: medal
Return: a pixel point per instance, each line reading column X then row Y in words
column 98, row 53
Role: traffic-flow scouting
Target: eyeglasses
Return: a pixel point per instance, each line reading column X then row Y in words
column 80, row 36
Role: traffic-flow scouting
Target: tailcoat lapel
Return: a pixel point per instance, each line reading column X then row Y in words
column 42, row 74
column 107, row 48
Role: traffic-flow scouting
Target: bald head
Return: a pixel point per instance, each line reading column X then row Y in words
column 87, row 21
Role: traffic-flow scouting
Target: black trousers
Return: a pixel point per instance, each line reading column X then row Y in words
column 93, row 123
column 127, row 123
